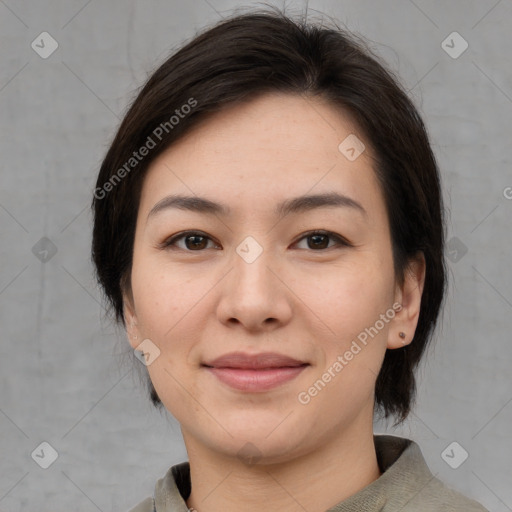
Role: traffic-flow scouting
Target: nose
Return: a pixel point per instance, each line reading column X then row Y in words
column 254, row 294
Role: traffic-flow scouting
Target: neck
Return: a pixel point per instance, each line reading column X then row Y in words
column 315, row 481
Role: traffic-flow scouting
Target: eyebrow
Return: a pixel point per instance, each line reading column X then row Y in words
column 294, row 205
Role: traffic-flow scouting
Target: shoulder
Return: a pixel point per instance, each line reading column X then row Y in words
column 407, row 484
column 438, row 497
column 169, row 491
column 147, row 505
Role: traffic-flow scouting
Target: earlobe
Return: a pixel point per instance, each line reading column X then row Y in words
column 132, row 332
column 400, row 340
column 129, row 316
column 404, row 324
column 130, row 320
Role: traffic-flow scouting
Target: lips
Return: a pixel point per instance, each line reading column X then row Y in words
column 255, row 373
column 255, row 361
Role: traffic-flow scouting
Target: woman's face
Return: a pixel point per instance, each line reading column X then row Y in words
column 251, row 279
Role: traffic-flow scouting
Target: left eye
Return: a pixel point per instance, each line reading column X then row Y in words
column 195, row 241
column 319, row 239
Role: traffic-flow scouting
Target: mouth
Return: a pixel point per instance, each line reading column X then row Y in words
column 255, row 373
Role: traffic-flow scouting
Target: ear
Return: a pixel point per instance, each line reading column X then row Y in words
column 130, row 320
column 409, row 297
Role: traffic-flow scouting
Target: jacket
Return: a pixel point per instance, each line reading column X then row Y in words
column 406, row 485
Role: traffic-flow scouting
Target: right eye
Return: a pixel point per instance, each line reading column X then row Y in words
column 194, row 241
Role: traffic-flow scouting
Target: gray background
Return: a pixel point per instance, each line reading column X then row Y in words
column 66, row 375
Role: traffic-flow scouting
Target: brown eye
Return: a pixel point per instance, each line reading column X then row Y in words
column 319, row 240
column 194, row 241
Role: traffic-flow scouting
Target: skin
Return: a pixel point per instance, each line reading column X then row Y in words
column 295, row 299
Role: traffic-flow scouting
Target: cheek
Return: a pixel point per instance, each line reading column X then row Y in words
column 168, row 309
column 353, row 347
column 163, row 297
column 350, row 301
column 348, row 298
column 170, row 306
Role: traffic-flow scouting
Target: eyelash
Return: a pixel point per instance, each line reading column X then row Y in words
column 169, row 243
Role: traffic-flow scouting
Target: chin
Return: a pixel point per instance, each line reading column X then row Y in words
column 259, row 451
column 258, row 443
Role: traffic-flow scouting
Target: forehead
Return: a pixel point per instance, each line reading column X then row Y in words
column 266, row 150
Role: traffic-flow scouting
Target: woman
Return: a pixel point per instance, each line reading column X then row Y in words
column 268, row 226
